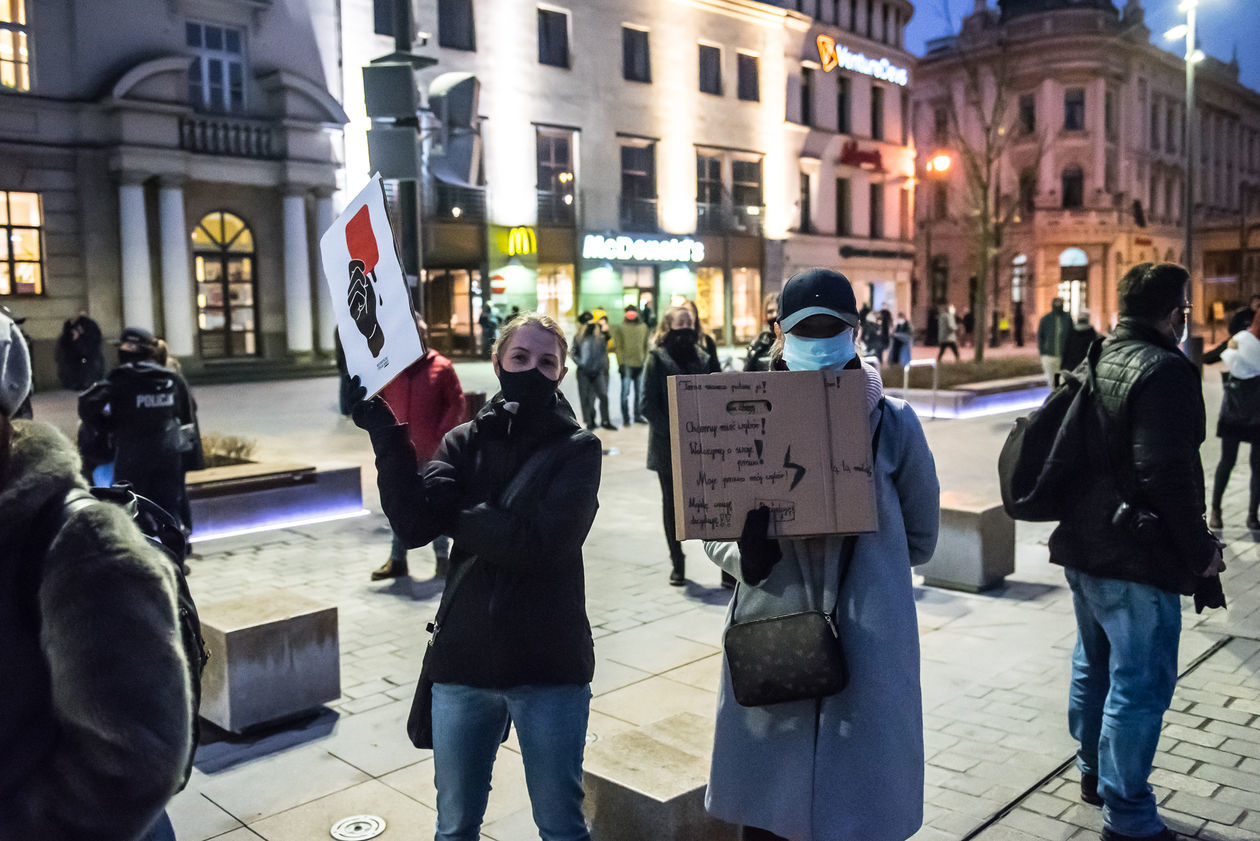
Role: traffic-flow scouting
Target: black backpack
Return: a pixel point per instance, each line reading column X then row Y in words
column 162, row 531
column 1046, row 451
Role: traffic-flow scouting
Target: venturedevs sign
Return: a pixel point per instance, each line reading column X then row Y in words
column 598, row 247
column 834, row 56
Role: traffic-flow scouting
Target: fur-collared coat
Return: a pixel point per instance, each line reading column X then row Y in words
column 94, row 695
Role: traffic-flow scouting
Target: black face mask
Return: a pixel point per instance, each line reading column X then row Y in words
column 530, row 388
column 682, row 340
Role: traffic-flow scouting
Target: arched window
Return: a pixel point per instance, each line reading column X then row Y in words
column 1073, row 187
column 1073, row 279
column 1019, row 277
column 227, row 286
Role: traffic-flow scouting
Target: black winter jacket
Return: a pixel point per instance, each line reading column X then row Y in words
column 1153, row 399
column 518, row 616
column 660, row 367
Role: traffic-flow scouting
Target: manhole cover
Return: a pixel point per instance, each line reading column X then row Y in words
column 357, row 828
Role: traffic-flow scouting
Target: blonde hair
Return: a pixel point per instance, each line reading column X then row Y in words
column 525, row 319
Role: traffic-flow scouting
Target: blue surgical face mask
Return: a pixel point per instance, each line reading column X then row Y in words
column 830, row 354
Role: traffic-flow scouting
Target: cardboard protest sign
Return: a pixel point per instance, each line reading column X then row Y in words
column 369, row 291
column 796, row 442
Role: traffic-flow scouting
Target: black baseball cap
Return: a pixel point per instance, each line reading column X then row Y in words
column 817, row 292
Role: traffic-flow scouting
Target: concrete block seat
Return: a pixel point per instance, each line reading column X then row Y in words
column 259, row 495
column 976, row 547
column 649, row 782
column 273, row 657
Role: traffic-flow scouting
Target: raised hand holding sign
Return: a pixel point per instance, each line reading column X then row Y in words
column 369, row 291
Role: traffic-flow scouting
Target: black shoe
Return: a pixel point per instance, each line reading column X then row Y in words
column 1089, row 789
column 677, row 576
column 590, row 427
column 607, row 425
column 392, row 568
column 1164, row 834
column 1252, row 523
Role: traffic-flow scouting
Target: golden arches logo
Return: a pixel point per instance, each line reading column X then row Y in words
column 521, row 241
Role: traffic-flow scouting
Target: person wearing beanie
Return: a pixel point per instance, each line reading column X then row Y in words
column 96, row 713
column 148, row 413
column 1077, row 343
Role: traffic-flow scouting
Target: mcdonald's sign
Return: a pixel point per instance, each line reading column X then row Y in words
column 521, row 241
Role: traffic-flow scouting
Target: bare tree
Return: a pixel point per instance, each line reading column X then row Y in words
column 983, row 127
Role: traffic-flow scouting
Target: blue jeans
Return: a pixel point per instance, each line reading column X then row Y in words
column 1124, row 670
column 468, row 725
column 398, row 549
column 631, row 376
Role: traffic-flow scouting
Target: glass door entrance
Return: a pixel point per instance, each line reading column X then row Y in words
column 223, row 261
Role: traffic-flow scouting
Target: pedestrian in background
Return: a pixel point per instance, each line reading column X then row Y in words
column 947, row 332
column 850, row 765
column 590, row 356
column 1076, row 345
column 147, row 413
column 758, row 356
column 516, row 489
column 24, row 410
column 80, row 359
column 630, row 343
column 1239, row 420
column 489, row 323
column 705, row 341
column 1052, row 331
column 902, row 341
column 96, row 711
column 676, row 352
column 425, row 398
column 1133, row 541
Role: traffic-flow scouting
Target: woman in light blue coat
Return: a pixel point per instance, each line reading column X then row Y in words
column 847, row 767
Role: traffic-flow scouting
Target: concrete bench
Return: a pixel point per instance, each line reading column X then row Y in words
column 976, row 547
column 240, row 498
column 649, row 782
column 273, row 657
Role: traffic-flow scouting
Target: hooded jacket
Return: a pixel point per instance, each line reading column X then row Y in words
column 1153, row 400
column 660, row 367
column 518, row 615
column 95, row 704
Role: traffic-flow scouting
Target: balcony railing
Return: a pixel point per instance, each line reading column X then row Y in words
column 639, row 215
column 716, row 218
column 231, row 137
column 556, row 209
column 465, row 204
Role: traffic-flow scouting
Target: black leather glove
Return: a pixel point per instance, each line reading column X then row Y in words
column 369, row 415
column 1208, row 593
column 757, row 553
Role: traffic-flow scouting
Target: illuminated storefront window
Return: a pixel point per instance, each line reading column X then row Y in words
column 21, row 253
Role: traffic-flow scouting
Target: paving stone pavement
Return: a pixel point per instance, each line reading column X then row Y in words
column 995, row 665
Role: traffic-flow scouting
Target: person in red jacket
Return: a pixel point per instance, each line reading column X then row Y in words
column 427, row 398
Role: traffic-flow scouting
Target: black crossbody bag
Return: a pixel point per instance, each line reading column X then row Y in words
column 796, row 656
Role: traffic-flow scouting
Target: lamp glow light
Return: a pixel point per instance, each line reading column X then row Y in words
column 295, row 520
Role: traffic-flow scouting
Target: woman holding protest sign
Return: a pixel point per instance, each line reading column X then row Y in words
column 516, row 490
column 848, row 757
column 676, row 352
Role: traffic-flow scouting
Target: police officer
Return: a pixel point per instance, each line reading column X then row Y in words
column 147, row 411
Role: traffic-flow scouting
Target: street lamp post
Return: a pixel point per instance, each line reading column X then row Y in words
column 1194, row 55
column 937, row 169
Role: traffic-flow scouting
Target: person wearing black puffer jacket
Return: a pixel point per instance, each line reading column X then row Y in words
column 1134, row 540
column 514, row 639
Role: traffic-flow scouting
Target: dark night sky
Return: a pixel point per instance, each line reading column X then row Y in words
column 1222, row 25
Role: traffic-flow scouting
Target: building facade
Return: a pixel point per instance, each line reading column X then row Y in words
column 1092, row 171
column 166, row 164
column 647, row 151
